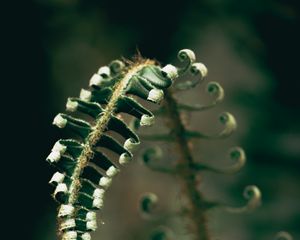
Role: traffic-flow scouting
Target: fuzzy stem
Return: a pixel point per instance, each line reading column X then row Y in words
column 196, row 203
column 100, row 127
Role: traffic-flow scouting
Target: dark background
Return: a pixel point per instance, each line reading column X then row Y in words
column 52, row 47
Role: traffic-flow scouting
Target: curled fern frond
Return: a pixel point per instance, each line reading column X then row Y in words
column 251, row 193
column 225, row 119
column 162, row 233
column 152, row 154
column 283, row 235
column 236, row 154
column 199, row 71
column 148, row 204
column 215, row 90
column 152, row 158
column 186, row 168
column 186, row 55
column 84, row 172
column 253, row 196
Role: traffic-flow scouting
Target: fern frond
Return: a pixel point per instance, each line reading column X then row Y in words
column 84, row 172
column 187, row 167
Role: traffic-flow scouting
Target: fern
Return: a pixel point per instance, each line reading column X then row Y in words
column 187, row 168
column 85, row 172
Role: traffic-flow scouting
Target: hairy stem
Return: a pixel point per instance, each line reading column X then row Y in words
column 196, row 205
column 99, row 129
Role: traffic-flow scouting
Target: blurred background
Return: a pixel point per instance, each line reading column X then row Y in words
column 52, row 48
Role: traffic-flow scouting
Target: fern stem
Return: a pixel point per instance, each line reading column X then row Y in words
column 100, row 127
column 196, row 205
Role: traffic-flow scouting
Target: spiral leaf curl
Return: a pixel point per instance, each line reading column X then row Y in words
column 151, row 159
column 226, row 119
column 186, row 55
column 162, row 233
column 253, row 196
column 196, row 69
column 282, row 235
column 236, row 154
column 148, row 204
column 214, row 89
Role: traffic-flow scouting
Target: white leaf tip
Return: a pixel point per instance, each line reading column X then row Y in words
column 90, row 216
column 155, row 95
column 65, row 210
column 98, row 193
column 147, row 120
column 54, row 156
column 68, row 223
column 58, row 147
column 171, row 71
column 112, row 171
column 71, row 106
column 59, row 121
column 57, row 178
column 199, row 67
column 85, row 95
column 61, row 188
column 86, row 236
column 69, row 235
column 95, row 80
column 98, row 203
column 130, row 144
column 124, row 158
column 91, row 225
column 105, row 182
column 104, row 71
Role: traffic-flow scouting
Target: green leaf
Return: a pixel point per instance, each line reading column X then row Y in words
column 78, row 126
column 90, row 108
